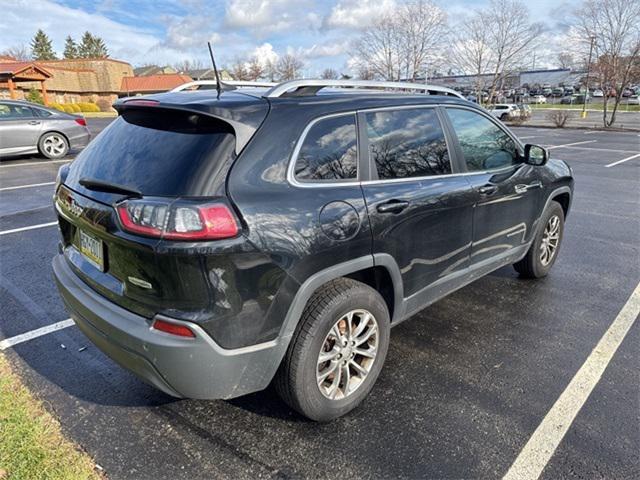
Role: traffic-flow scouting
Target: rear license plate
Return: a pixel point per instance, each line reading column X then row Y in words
column 92, row 249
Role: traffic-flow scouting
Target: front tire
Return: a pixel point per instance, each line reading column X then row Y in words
column 53, row 145
column 337, row 352
column 545, row 247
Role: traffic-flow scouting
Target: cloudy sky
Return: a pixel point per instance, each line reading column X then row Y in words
column 169, row 31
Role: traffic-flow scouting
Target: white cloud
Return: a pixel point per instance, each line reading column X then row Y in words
column 267, row 16
column 20, row 16
column 356, row 13
column 324, row 50
column 265, row 54
column 184, row 33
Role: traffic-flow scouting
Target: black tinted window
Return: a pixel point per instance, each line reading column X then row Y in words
column 42, row 113
column 485, row 145
column 407, row 143
column 329, row 151
column 10, row 111
column 158, row 153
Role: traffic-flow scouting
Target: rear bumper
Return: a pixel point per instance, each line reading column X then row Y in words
column 79, row 139
column 181, row 367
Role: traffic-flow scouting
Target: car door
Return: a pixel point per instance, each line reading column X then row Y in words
column 508, row 191
column 420, row 210
column 19, row 128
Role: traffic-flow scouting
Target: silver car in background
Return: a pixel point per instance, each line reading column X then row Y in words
column 27, row 128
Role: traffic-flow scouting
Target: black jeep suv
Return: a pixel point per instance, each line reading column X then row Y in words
column 213, row 244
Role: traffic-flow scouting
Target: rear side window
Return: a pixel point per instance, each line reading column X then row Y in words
column 162, row 153
column 329, row 151
column 407, row 143
column 485, row 146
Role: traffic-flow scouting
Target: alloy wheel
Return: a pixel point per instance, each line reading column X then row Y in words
column 347, row 355
column 54, row 145
column 550, row 240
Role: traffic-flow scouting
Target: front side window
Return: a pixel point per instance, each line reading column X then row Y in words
column 485, row 146
column 329, row 151
column 407, row 143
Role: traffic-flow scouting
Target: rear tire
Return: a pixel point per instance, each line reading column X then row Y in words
column 53, row 145
column 347, row 323
column 546, row 245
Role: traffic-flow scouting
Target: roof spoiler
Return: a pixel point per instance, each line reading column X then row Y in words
column 243, row 132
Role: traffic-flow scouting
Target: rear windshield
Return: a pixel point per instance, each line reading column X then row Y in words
column 159, row 152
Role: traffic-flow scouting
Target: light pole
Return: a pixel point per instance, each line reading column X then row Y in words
column 592, row 39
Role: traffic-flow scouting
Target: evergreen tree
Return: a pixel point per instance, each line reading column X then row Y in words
column 92, row 47
column 99, row 49
column 70, row 48
column 86, row 45
column 41, row 48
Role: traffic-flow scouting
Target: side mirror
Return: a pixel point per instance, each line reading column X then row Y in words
column 535, row 155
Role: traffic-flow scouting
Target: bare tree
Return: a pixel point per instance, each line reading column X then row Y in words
column 239, row 70
column 365, row 73
column 422, row 28
column 255, row 70
column 470, row 50
column 379, row 49
column 402, row 44
column 288, row 67
column 329, row 74
column 511, row 36
column 613, row 28
column 186, row 65
column 566, row 60
column 19, row 52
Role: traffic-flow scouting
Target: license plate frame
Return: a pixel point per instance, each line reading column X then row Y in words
column 92, row 249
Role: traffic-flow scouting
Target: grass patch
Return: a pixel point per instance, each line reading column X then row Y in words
column 31, row 443
column 594, row 107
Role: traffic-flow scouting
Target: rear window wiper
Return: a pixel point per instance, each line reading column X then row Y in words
column 101, row 186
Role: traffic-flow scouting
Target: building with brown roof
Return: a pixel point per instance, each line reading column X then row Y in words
column 152, row 84
column 67, row 81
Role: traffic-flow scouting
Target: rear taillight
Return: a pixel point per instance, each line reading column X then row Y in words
column 177, row 221
column 173, row 328
column 81, row 121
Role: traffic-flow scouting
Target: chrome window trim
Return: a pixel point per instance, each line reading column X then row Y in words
column 351, row 183
column 291, row 177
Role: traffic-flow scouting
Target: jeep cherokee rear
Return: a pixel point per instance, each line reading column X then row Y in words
column 214, row 244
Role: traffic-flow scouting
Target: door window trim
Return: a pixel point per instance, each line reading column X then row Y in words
column 493, row 120
column 365, row 169
column 291, row 174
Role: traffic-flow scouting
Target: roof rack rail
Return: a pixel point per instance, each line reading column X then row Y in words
column 296, row 88
column 213, row 83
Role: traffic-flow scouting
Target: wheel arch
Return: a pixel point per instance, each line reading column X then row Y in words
column 372, row 270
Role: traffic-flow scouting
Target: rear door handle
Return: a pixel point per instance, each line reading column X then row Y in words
column 393, row 206
column 34, row 122
column 522, row 188
column 488, row 189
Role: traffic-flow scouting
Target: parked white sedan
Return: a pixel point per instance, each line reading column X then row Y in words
column 538, row 99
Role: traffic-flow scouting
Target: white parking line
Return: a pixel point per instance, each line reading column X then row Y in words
column 540, row 448
column 18, row 187
column 570, row 144
column 32, row 227
column 38, row 332
column 26, row 164
column 623, row 160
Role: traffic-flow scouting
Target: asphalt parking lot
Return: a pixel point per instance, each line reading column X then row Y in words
column 466, row 383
